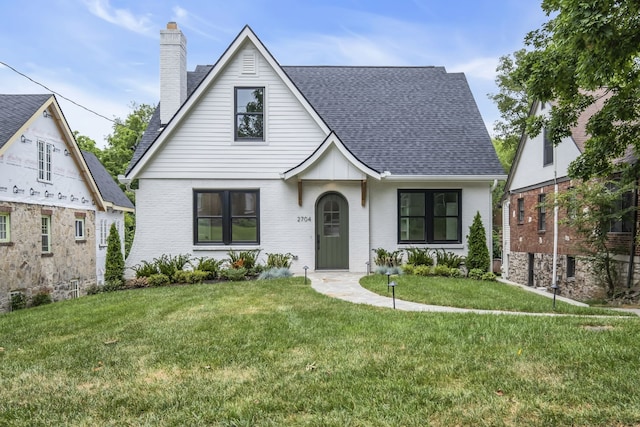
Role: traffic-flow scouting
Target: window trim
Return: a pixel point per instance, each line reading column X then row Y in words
column 429, row 216
column 547, row 149
column 45, row 219
column 45, row 155
column 236, row 114
column 520, row 205
column 227, row 217
column 571, row 267
column 83, row 234
column 7, row 227
column 542, row 213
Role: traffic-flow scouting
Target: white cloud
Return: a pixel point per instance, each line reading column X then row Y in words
column 191, row 22
column 480, row 68
column 121, row 17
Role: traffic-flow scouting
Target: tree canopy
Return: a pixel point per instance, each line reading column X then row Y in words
column 585, row 50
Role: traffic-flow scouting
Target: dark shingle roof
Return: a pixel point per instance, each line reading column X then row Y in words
column 15, row 110
column 405, row 120
column 109, row 189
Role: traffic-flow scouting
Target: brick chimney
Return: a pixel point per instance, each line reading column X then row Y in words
column 173, row 71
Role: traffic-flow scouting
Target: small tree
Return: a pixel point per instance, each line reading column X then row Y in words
column 478, row 256
column 114, row 266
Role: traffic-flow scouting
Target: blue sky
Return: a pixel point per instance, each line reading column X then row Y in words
column 103, row 54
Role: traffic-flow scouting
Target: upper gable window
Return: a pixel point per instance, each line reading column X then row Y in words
column 249, row 112
column 44, row 161
column 548, row 149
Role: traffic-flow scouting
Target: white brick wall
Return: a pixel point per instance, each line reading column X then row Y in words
column 173, row 72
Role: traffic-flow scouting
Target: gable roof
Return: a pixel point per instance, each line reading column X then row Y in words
column 109, row 189
column 16, row 111
column 409, row 121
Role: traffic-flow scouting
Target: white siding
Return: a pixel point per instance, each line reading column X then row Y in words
column 203, row 145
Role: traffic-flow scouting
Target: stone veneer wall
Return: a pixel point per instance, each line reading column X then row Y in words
column 23, row 266
column 581, row 287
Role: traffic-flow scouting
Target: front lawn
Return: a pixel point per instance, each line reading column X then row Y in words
column 475, row 294
column 276, row 353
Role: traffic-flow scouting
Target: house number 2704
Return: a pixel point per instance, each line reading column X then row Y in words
column 304, row 219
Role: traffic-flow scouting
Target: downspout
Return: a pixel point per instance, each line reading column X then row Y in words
column 634, row 231
column 555, row 222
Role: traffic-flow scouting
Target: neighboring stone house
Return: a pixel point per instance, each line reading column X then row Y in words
column 48, row 203
column 528, row 228
column 324, row 162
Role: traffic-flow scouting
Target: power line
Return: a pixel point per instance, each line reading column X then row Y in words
column 60, row 95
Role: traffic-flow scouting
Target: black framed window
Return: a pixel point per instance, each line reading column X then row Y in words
column 623, row 224
column 571, row 267
column 521, row 210
column 226, row 217
column 548, row 149
column 429, row 216
column 542, row 213
column 249, row 114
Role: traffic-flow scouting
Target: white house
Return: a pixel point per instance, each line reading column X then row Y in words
column 326, row 163
column 50, row 204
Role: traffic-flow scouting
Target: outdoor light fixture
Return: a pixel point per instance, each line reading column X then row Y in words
column 393, row 292
column 555, row 288
column 388, row 278
column 368, row 264
column 305, row 273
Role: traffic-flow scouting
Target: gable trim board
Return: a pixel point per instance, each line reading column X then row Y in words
column 304, row 158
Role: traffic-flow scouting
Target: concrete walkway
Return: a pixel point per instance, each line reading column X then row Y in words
column 346, row 286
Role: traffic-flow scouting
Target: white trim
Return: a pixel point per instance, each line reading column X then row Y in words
column 387, row 176
column 245, row 36
column 331, row 141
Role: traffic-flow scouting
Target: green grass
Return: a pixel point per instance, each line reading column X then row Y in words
column 277, row 353
column 475, row 294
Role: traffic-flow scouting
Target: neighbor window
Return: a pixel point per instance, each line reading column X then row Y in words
column 548, row 149
column 429, row 216
column 249, row 114
column 46, row 234
column 571, row 267
column 226, row 216
column 80, row 231
column 5, row 227
column 542, row 213
column 521, row 211
column 624, row 224
column 104, row 232
column 44, row 161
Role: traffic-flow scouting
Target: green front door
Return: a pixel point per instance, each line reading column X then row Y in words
column 332, row 232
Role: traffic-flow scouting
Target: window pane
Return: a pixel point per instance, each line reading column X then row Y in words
column 412, row 229
column 209, row 204
column 210, row 229
column 412, row 204
column 244, row 230
column 249, row 100
column 445, row 204
column 3, row 227
column 243, row 203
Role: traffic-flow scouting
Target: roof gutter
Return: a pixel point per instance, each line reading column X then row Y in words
column 387, row 176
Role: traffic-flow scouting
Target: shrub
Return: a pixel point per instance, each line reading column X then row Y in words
column 279, row 260
column 41, row 298
column 395, row 270
column 441, row 270
column 476, row 273
column 449, row 259
column 209, row 265
column 243, row 259
column 385, row 258
column 275, row 273
column 169, row 265
column 93, row 289
column 197, row 276
column 114, row 264
column 145, row 269
column 113, row 285
column 18, row 301
column 419, row 256
column 455, row 272
column 423, row 270
column 233, row 274
column 489, row 276
column 181, row 276
column 409, row 269
column 138, row 282
column 160, row 279
column 478, row 256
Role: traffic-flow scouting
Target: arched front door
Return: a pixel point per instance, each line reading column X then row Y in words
column 332, row 232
